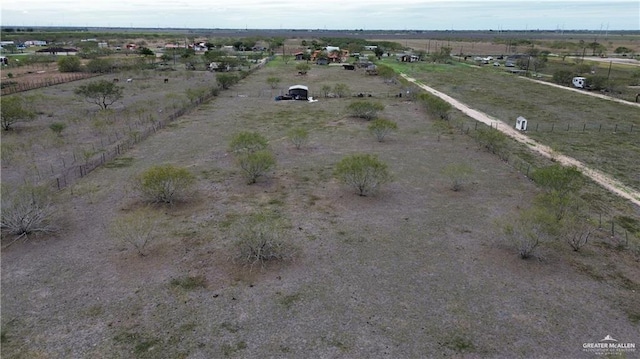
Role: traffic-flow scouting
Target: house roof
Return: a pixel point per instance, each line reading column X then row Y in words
column 299, row 87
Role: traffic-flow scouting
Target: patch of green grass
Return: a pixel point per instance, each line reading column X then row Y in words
column 230, row 349
column 230, row 327
column 289, row 300
column 119, row 162
column 459, row 343
column 145, row 345
column 142, row 345
column 94, row 311
column 189, row 282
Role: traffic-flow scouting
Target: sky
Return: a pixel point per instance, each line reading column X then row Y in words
column 328, row 14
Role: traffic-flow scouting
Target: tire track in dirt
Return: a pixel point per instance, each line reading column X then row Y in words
column 583, row 92
column 597, row 176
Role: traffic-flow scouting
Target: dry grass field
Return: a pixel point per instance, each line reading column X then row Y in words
column 415, row 271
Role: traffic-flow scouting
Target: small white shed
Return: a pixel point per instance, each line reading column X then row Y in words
column 521, row 123
column 579, row 82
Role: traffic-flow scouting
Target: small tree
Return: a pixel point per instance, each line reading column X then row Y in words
column 69, row 64
column 247, row 142
column 382, row 127
column 256, row 164
column 102, row 93
column 136, row 229
column 458, row 173
column 226, row 80
column 341, row 90
column 12, row 110
column 27, row 210
column 303, row 68
column 165, row 184
column 263, row 237
column 365, row 109
column 526, row 232
column 365, row 172
column 273, row 81
column 298, row 136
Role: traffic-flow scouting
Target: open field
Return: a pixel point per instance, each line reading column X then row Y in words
column 416, row 271
column 601, row 133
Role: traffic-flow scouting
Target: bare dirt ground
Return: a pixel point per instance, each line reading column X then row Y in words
column 597, row 176
column 417, row 271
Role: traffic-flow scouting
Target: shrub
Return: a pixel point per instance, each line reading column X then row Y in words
column 365, row 109
column 263, row 237
column 298, row 136
column 246, row 142
column 458, row 173
column 365, row 172
column 563, row 77
column 576, row 231
column 341, row 90
column 435, row 106
column 326, row 89
column 558, row 178
column 69, row 64
column 597, row 82
column 382, row 127
column 165, row 184
column 57, row 127
column 256, row 164
column 27, row 210
column 100, row 65
column 493, row 140
column 303, row 68
column 526, row 232
column 136, row 229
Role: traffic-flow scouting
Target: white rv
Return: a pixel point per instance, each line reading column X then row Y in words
column 579, row 82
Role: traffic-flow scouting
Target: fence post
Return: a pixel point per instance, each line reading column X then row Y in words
column 613, row 233
column 568, row 124
column 600, row 128
column 615, row 129
column 584, row 127
column 552, row 126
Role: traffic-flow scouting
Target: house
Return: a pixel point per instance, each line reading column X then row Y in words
column 331, row 53
column 299, row 92
column 407, row 58
column 299, row 56
column 35, row 43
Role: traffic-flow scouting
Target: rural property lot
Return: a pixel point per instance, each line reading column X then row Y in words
column 415, row 271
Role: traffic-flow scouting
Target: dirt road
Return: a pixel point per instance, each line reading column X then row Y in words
column 599, row 177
